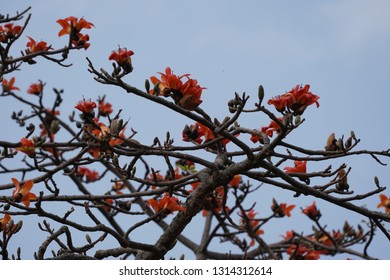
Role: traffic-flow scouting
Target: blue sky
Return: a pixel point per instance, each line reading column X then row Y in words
column 340, row 48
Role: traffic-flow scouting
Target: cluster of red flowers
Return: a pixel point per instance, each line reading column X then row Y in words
column 9, row 32
column 73, row 26
column 186, row 94
column 295, row 100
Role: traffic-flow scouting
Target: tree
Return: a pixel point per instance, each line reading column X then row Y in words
column 216, row 173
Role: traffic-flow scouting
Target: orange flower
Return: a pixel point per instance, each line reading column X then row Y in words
column 86, row 106
column 117, row 187
column 105, row 108
column 302, row 253
column 121, row 56
column 289, row 235
column 82, row 41
column 235, row 182
column 156, row 177
column 167, row 203
column 8, row 86
column 385, row 202
column 273, row 126
column 296, row 100
column 23, row 194
column 35, row 89
column 200, row 133
column 312, row 212
column 252, row 222
column 34, row 47
column 71, row 25
column 9, row 32
column 168, row 82
column 186, row 95
column 110, row 201
column 268, row 130
column 281, row 209
column 299, row 167
column 191, row 92
column 4, row 221
column 27, row 147
column 90, row 176
column 191, row 133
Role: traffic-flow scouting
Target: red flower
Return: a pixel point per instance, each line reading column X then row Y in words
column 187, row 95
column 4, row 221
column 27, row 147
column 191, row 92
column 385, row 202
column 251, row 222
column 299, row 167
column 268, row 130
column 36, row 89
column 312, row 212
column 86, row 106
column 108, row 207
column 200, row 133
column 167, row 82
column 9, row 31
column 71, row 25
column 235, row 182
column 156, row 177
column 296, row 100
column 117, row 187
column 302, row 253
column 167, row 203
column 289, row 235
column 123, row 58
column 281, row 209
column 23, row 194
column 34, row 47
column 8, row 86
column 105, row 108
column 90, row 176
column 82, row 41
column 191, row 133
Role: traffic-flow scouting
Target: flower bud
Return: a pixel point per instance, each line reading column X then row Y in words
column 376, row 180
column 260, row 94
column 89, row 240
column 147, row 85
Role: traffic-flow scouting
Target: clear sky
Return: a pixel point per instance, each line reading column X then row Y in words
column 341, row 48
